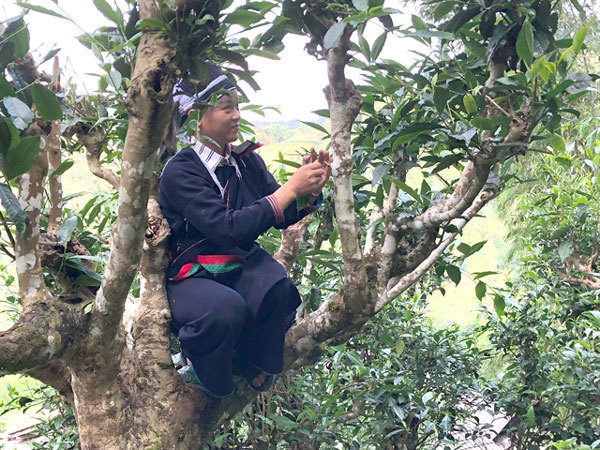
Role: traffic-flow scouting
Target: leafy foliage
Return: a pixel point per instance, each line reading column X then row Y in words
column 400, row 382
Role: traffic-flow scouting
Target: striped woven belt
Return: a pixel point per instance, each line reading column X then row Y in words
column 214, row 264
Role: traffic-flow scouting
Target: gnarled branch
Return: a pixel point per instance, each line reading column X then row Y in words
column 149, row 103
column 93, row 141
column 344, row 104
column 43, row 332
column 290, row 243
column 410, row 279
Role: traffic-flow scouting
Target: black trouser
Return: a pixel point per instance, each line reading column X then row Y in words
column 214, row 322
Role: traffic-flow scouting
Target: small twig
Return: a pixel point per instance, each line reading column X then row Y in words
column 490, row 99
column 7, row 252
column 443, row 180
column 7, row 229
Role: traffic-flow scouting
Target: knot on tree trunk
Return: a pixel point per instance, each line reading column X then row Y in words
column 348, row 95
column 91, row 138
column 157, row 232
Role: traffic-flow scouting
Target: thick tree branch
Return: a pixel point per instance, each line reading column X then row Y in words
column 290, row 243
column 474, row 175
column 31, row 189
column 471, row 181
column 589, row 281
column 389, row 240
column 584, row 266
column 149, row 103
column 57, row 375
column 410, row 279
column 344, row 104
column 43, row 332
column 151, row 326
column 370, row 238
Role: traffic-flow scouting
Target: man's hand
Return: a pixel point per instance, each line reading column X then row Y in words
column 325, row 160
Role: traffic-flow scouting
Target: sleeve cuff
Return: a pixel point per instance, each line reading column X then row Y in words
column 279, row 217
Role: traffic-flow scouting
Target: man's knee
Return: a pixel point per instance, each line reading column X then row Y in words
column 229, row 311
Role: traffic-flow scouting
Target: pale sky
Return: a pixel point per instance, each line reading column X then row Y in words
column 294, row 83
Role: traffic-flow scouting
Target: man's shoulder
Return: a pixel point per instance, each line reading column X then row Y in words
column 185, row 161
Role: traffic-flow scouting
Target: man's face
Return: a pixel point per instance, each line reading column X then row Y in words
column 222, row 122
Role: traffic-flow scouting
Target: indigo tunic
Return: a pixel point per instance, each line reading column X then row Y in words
column 213, row 238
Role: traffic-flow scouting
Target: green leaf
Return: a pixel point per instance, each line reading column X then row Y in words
column 87, row 277
column 364, row 47
column 7, row 51
column 558, row 143
column 302, row 201
column 418, row 127
column 379, row 172
column 478, row 275
column 470, row 104
column 560, row 88
column 108, row 12
column 40, row 9
column 115, row 79
column 12, row 207
column 333, row 35
column 432, row 33
column 65, row 165
column 448, row 161
column 406, row 188
column 499, row 305
column 440, row 98
column 469, row 250
column 361, row 5
column 443, row 9
column 5, row 137
column 400, row 347
column 20, row 114
column 152, row 24
column 454, row 273
column 19, row 36
column 378, row 46
column 530, row 416
column 46, row 102
column 565, row 249
column 418, row 23
column 538, row 66
column 525, row 43
column 49, row 56
column 427, row 397
column 243, row 17
column 578, row 39
column 288, row 163
column 316, row 126
column 461, row 18
column 21, row 157
column 480, row 290
column 483, row 123
column 66, row 230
